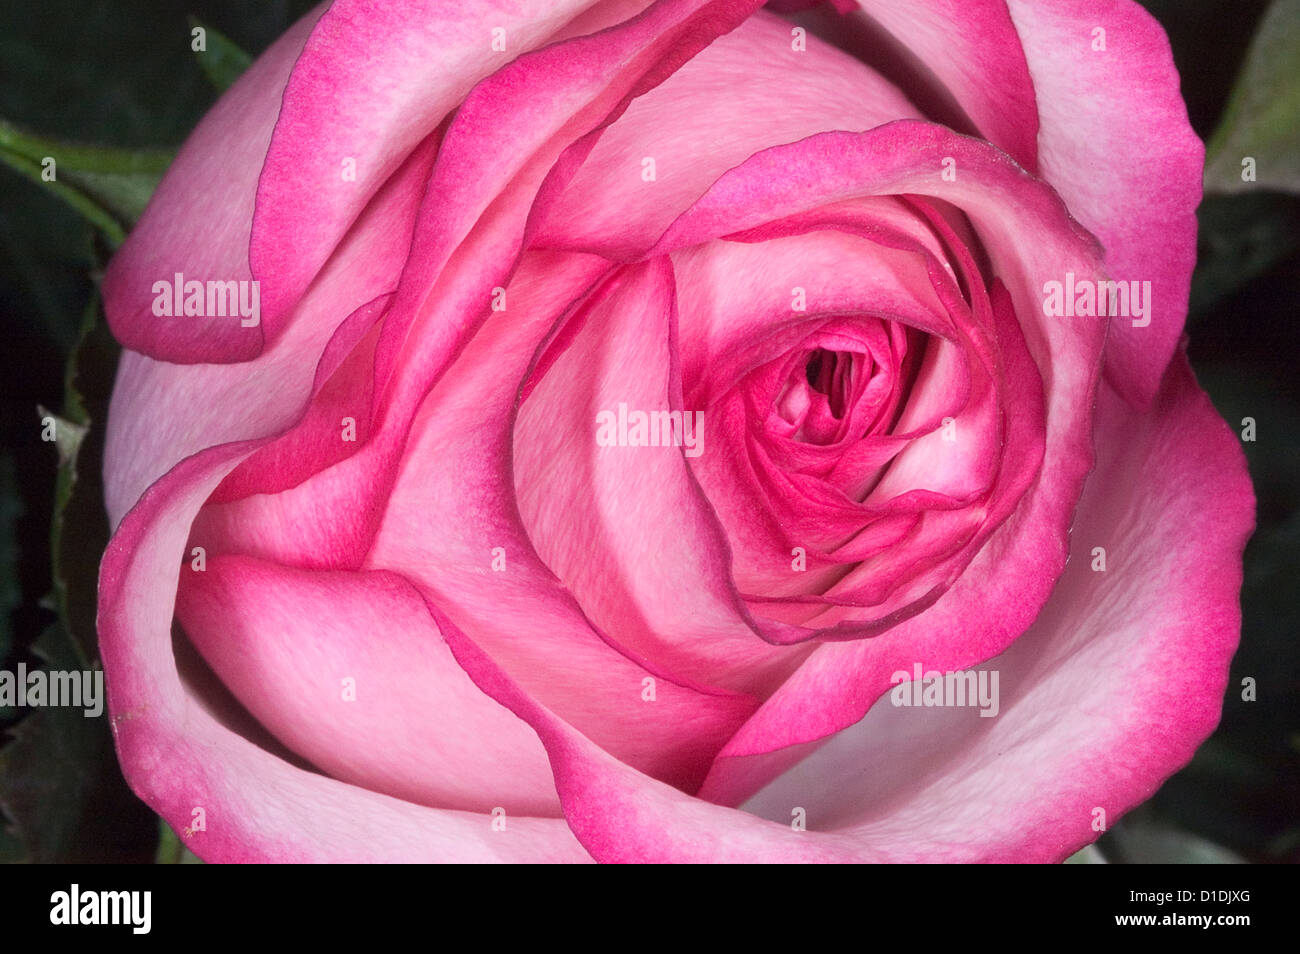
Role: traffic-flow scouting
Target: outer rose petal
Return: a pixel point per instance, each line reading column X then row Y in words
column 972, row 48
column 373, row 80
column 283, row 640
column 1150, row 637
column 365, row 88
column 162, row 412
column 178, row 755
column 1114, row 141
column 696, row 132
column 199, row 219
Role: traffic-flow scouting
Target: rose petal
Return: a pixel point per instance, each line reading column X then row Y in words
column 179, row 756
column 626, row 529
column 699, row 122
column 198, row 220
column 162, row 412
column 1115, row 143
column 373, row 80
column 284, row 640
column 972, row 47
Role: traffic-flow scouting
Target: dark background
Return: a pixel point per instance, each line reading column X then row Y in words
column 122, row 73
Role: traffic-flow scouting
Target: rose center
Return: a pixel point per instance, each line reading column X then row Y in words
column 828, row 373
column 830, row 389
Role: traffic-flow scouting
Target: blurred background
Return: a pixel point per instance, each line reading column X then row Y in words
column 120, row 76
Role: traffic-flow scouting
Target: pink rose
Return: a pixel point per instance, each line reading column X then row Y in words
column 583, row 430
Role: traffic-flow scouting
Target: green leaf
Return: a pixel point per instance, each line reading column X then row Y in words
column 11, row 509
column 1088, row 855
column 1262, row 118
column 60, row 783
column 91, row 212
column 109, row 187
column 11, row 847
column 79, row 531
column 1153, row 842
column 171, row 851
column 1240, row 238
column 223, row 62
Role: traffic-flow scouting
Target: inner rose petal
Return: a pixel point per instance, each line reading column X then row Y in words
column 620, row 521
column 841, row 385
column 842, row 431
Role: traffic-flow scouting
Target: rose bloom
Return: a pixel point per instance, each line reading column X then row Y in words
column 640, row 409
